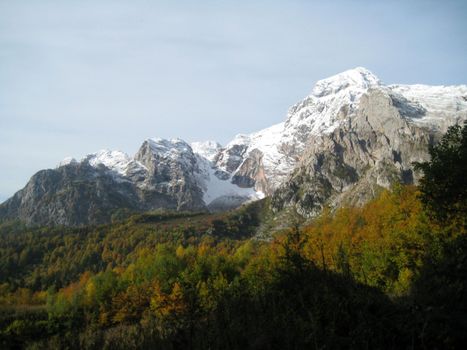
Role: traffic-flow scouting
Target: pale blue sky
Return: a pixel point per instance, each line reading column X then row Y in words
column 79, row 76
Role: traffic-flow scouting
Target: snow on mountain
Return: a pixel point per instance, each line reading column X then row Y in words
column 266, row 140
column 275, row 162
column 216, row 188
column 432, row 106
column 206, row 149
column 118, row 163
column 353, row 81
column 324, row 109
column 114, row 160
column 66, row 161
column 175, row 149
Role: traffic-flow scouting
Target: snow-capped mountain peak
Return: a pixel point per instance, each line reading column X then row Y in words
column 164, row 147
column 356, row 79
column 332, row 101
column 117, row 161
column 174, row 149
column 114, row 160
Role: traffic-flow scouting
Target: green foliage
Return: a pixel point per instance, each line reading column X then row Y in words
column 38, row 258
column 444, row 185
column 381, row 244
column 21, row 324
column 441, row 291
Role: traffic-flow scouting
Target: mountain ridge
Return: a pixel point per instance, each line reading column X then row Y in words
column 350, row 135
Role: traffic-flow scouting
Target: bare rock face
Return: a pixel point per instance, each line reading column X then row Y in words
column 251, row 171
column 72, row 195
column 171, row 168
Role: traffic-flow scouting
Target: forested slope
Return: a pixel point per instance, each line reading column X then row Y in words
column 389, row 274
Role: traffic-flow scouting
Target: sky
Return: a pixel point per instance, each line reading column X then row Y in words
column 80, row 76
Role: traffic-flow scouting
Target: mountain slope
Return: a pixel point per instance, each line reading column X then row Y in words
column 351, row 136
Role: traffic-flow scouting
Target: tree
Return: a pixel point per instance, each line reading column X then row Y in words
column 444, row 184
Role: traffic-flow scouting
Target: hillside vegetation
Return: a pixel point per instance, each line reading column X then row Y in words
column 390, row 274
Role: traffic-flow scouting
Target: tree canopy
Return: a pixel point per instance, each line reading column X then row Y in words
column 444, row 184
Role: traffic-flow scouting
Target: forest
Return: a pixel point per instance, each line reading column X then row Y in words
column 391, row 274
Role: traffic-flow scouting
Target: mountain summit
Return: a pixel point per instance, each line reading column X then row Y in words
column 349, row 137
column 354, row 80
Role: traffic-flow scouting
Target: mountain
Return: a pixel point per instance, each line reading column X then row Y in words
column 351, row 136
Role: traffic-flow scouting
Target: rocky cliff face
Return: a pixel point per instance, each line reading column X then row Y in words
column 74, row 194
column 351, row 136
column 170, row 170
column 374, row 148
column 104, row 184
